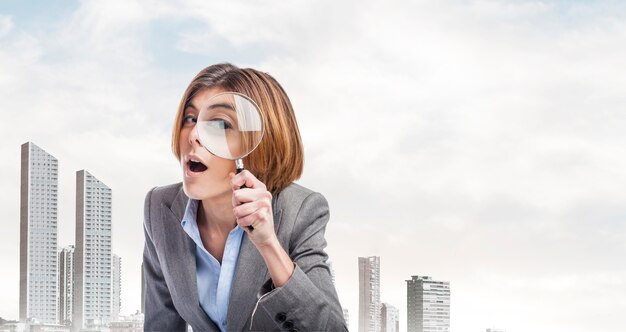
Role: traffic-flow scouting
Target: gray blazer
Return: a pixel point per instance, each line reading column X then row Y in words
column 308, row 302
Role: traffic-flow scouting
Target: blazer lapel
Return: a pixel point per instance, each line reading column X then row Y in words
column 181, row 262
column 250, row 274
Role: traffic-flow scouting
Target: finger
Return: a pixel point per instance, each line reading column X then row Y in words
column 259, row 216
column 241, row 179
column 241, row 196
column 246, row 178
column 245, row 195
column 246, row 209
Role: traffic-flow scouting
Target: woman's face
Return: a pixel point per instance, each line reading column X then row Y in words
column 204, row 175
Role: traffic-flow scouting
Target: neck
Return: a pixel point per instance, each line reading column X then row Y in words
column 216, row 214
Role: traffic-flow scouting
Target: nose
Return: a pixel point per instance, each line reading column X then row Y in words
column 194, row 140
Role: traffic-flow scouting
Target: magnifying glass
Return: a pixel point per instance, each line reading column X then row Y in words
column 230, row 126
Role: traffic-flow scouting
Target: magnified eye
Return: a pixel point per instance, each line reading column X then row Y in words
column 220, row 124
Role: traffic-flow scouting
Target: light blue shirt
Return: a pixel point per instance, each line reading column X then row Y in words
column 214, row 281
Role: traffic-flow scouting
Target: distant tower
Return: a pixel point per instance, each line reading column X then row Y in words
column 66, row 284
column 346, row 316
column 92, row 258
column 143, row 289
column 428, row 305
column 116, row 300
column 369, row 294
column 38, row 234
column 389, row 318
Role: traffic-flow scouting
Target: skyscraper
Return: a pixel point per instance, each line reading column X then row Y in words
column 66, row 284
column 143, row 289
column 38, row 234
column 332, row 271
column 369, row 294
column 428, row 305
column 116, row 300
column 389, row 318
column 92, row 258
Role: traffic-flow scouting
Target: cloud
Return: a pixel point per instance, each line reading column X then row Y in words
column 6, row 25
column 477, row 142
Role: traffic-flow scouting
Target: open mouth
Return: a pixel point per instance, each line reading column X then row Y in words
column 196, row 166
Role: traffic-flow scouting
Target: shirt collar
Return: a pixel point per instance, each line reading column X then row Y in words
column 190, row 212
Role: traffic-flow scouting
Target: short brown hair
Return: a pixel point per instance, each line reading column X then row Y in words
column 279, row 158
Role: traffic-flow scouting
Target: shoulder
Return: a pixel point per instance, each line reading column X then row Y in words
column 172, row 196
column 294, row 197
column 303, row 213
column 163, row 194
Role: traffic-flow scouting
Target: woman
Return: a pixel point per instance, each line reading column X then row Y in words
column 203, row 265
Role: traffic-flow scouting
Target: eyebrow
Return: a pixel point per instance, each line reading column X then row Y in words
column 222, row 105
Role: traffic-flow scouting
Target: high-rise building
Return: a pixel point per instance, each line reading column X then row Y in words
column 389, row 318
column 428, row 305
column 38, row 235
column 346, row 317
column 116, row 300
column 369, row 294
column 92, row 258
column 66, row 284
column 332, row 271
column 143, row 289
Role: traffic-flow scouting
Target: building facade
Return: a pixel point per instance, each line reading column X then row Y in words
column 132, row 323
column 369, row 294
column 38, row 235
column 428, row 305
column 92, row 259
column 116, row 297
column 66, row 285
column 389, row 318
column 143, row 289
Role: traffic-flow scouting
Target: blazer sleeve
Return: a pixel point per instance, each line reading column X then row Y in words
column 308, row 301
column 159, row 311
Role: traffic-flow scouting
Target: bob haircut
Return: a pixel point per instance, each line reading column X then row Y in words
column 279, row 158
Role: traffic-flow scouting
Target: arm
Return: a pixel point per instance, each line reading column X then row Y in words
column 159, row 311
column 307, row 301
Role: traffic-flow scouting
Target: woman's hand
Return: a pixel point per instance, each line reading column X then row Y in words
column 252, row 206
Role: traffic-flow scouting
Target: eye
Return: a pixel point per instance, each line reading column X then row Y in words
column 221, row 124
column 189, row 119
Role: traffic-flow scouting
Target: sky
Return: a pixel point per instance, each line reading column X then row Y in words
column 476, row 142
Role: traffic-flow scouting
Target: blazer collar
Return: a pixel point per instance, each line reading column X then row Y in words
column 181, row 264
column 250, row 273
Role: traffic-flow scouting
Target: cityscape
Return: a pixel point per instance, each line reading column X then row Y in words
column 476, row 142
column 78, row 287
column 75, row 287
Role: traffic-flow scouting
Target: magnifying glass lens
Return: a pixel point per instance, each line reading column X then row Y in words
column 230, row 126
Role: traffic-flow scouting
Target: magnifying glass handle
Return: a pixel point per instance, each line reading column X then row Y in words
column 239, row 165
column 239, row 171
